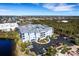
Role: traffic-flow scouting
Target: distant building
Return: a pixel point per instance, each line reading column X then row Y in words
column 64, row 21
column 8, row 26
column 34, row 32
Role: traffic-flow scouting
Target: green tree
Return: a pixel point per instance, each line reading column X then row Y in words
column 77, row 41
column 65, row 49
column 51, row 51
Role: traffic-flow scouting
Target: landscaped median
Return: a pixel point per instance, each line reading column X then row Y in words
column 43, row 41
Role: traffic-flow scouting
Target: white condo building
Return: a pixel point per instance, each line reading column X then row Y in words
column 8, row 26
column 34, row 32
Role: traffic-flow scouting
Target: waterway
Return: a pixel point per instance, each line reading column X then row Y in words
column 7, row 47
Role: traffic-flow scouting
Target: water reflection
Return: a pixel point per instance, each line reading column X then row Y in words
column 6, row 47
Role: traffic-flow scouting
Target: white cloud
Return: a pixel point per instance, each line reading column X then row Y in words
column 3, row 10
column 59, row 7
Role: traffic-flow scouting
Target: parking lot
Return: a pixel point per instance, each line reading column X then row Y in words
column 39, row 49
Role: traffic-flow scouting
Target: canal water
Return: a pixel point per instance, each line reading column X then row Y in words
column 6, row 47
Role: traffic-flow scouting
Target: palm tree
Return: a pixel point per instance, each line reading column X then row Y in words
column 51, row 51
column 77, row 41
column 65, row 49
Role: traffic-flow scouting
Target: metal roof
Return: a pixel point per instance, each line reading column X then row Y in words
column 31, row 28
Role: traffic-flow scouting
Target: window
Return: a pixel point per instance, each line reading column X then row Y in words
column 22, row 33
column 12, row 25
column 43, row 34
column 23, row 38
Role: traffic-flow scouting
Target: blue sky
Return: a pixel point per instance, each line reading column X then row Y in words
column 39, row 9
